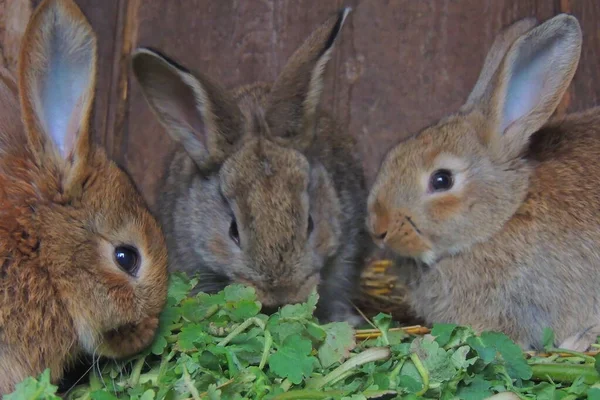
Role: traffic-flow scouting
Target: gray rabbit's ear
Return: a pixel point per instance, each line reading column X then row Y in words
column 196, row 111
column 325, row 210
column 296, row 93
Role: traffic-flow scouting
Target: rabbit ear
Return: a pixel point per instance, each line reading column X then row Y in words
column 297, row 91
column 11, row 133
column 530, row 83
column 57, row 79
column 196, row 112
column 495, row 55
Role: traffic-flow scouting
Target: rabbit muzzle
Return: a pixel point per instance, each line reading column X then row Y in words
column 398, row 231
column 273, row 296
column 129, row 339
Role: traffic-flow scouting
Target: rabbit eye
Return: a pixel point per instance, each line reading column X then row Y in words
column 441, row 180
column 128, row 259
column 233, row 232
column 311, row 225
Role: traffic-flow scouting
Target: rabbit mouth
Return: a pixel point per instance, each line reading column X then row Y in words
column 129, row 339
column 406, row 239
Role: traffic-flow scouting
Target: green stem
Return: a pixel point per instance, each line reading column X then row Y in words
column 266, row 350
column 164, row 363
column 422, row 371
column 189, row 384
column 396, row 371
column 286, row 385
column 573, row 353
column 212, row 310
column 136, row 371
column 241, row 328
column 367, row 356
column 565, row 373
column 308, row 394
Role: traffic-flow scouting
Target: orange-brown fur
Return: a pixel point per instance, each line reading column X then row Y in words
column 61, row 293
column 514, row 242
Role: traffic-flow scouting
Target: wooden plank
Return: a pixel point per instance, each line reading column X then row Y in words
column 585, row 90
column 234, row 42
column 400, row 64
column 14, row 16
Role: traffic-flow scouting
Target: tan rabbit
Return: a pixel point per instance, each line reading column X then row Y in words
column 265, row 188
column 498, row 207
column 83, row 265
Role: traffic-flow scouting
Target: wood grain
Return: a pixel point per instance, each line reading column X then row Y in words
column 399, row 66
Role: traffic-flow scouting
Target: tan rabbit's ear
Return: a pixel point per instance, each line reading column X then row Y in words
column 196, row 111
column 57, row 80
column 529, row 84
column 495, row 55
column 296, row 93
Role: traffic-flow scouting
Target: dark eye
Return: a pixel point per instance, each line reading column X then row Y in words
column 233, row 232
column 128, row 259
column 311, row 225
column 441, row 180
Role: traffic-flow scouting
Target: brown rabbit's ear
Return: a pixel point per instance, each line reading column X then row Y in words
column 296, row 93
column 57, row 80
column 529, row 84
column 195, row 111
column 495, row 55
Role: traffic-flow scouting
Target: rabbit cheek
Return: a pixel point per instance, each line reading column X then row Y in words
column 444, row 207
column 219, row 250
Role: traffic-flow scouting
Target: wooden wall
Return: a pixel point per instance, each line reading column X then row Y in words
column 400, row 64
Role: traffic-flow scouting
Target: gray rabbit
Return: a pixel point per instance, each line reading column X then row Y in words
column 265, row 189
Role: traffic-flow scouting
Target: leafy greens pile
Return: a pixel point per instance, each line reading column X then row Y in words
column 220, row 347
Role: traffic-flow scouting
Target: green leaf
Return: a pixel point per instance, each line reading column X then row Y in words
column 179, row 286
column 34, row 389
column 191, row 334
column 443, row 333
column 459, row 358
column 102, row 395
column 301, row 311
column 478, row 389
column 435, row 359
column 548, row 338
column 593, row 394
column 338, row 343
column 544, row 391
column 235, row 293
column 293, row 359
column 516, row 364
column 409, row 384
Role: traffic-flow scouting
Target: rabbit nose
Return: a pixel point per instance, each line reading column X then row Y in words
column 379, row 221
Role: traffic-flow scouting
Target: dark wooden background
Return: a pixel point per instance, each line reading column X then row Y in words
column 400, row 64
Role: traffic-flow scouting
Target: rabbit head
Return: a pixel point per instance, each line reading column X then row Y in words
column 84, row 263
column 456, row 183
column 264, row 212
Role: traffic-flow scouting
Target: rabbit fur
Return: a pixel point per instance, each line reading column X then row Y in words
column 494, row 210
column 65, row 210
column 265, row 189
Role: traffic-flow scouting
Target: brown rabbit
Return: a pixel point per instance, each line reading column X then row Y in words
column 498, row 206
column 266, row 189
column 83, row 263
